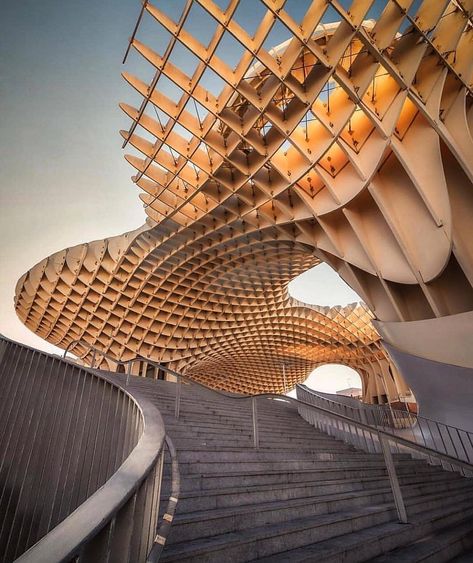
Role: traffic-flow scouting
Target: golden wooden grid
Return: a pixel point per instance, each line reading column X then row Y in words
column 350, row 143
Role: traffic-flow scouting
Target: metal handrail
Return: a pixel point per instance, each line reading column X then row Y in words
column 76, row 531
column 165, row 526
column 144, row 359
column 355, row 407
column 455, row 441
column 383, row 437
column 331, row 401
column 163, row 529
column 363, row 406
column 387, row 417
column 66, row 539
column 362, row 425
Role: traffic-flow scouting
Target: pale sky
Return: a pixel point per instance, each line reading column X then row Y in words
column 331, row 378
column 64, row 179
column 322, row 286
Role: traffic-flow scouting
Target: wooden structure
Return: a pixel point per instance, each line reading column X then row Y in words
column 348, row 143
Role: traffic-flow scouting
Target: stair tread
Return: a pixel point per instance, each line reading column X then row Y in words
column 305, row 462
column 428, row 545
column 259, row 532
column 215, row 513
column 324, row 549
column 302, row 471
column 293, row 486
column 321, row 549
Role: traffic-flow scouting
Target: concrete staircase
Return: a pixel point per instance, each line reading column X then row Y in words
column 302, row 496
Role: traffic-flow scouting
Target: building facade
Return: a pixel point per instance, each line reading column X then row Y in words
column 349, row 143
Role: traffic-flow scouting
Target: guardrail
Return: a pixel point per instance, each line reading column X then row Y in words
column 165, row 526
column 361, row 435
column 80, row 463
column 380, row 415
column 441, row 437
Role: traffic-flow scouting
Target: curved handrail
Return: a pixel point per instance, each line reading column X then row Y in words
column 387, row 415
column 355, row 406
column 376, row 407
column 165, row 526
column 421, row 422
column 163, row 530
column 318, row 394
column 298, row 402
column 156, row 365
column 337, row 403
column 361, row 406
column 66, row 539
column 380, row 439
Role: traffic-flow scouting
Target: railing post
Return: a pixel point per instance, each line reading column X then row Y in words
column 94, row 352
column 255, row 422
column 177, row 406
column 128, row 372
column 395, row 487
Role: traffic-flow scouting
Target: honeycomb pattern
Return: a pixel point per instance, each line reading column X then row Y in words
column 349, row 143
column 222, row 315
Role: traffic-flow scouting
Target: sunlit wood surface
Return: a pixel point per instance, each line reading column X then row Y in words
column 348, row 143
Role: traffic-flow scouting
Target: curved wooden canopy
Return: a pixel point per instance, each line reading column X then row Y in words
column 349, row 143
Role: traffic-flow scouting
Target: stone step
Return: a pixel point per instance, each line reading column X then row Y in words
column 225, row 433
column 335, row 493
column 302, row 496
column 197, row 399
column 369, row 478
column 191, row 525
column 242, row 420
column 367, row 544
column 269, row 541
column 229, row 430
column 202, row 407
column 204, row 452
column 442, row 545
column 207, row 461
column 208, row 523
column 288, row 464
column 182, row 442
column 247, row 545
column 199, row 426
column 193, row 395
column 224, row 423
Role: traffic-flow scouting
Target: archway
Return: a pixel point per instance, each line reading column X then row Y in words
column 321, row 285
column 330, row 378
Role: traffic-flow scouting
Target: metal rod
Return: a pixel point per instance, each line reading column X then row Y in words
column 462, row 444
column 254, row 410
column 326, row 419
column 177, row 406
column 135, row 29
column 128, row 372
column 395, row 487
column 452, row 441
